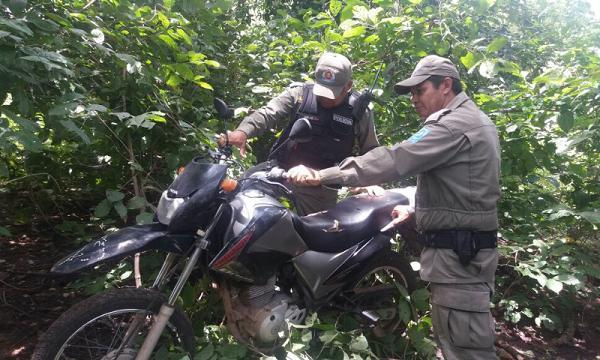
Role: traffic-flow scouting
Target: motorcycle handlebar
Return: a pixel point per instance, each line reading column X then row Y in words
column 277, row 173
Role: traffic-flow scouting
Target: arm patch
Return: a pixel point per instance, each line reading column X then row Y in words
column 419, row 135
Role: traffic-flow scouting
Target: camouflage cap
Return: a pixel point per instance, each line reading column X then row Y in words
column 331, row 75
column 427, row 66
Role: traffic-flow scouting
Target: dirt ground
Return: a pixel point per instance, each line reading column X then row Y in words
column 30, row 300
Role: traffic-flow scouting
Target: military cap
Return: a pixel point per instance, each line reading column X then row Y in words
column 427, row 66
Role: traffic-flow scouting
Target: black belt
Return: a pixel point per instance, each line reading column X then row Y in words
column 446, row 239
column 465, row 243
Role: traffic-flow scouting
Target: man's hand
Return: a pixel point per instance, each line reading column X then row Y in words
column 301, row 175
column 400, row 214
column 372, row 190
column 237, row 138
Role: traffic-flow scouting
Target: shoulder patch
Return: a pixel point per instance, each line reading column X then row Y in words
column 437, row 115
column 418, row 136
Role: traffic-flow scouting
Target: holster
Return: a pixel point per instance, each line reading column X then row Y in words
column 465, row 246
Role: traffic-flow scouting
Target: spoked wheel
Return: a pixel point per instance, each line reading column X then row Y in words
column 96, row 328
column 382, row 286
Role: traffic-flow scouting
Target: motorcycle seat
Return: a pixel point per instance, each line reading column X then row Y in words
column 350, row 221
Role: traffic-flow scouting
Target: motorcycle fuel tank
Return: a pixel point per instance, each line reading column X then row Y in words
column 261, row 236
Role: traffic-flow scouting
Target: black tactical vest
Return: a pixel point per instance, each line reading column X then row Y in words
column 333, row 133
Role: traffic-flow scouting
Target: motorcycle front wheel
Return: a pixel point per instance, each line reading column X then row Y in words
column 95, row 328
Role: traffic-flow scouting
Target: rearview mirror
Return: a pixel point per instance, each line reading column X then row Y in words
column 223, row 109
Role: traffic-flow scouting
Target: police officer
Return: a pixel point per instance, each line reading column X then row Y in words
column 456, row 158
column 337, row 133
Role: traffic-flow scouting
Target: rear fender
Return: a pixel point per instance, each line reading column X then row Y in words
column 124, row 242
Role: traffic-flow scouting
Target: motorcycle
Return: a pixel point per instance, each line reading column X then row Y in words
column 270, row 266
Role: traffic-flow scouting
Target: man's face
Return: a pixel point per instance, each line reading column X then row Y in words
column 427, row 99
column 331, row 103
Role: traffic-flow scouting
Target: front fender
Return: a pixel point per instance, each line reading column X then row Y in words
column 124, row 242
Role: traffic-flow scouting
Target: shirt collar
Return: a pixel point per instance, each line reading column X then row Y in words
column 457, row 101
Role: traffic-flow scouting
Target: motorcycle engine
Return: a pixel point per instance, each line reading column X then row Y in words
column 258, row 314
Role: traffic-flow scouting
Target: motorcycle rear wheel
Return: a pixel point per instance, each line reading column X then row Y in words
column 95, row 327
column 380, row 288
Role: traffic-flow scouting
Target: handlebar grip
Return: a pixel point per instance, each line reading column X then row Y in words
column 277, row 174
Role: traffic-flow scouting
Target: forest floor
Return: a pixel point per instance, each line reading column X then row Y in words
column 30, row 300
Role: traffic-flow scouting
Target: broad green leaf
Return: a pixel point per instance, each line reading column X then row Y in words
column 560, row 214
column 4, row 170
column 136, row 202
column 96, row 107
column 206, row 353
column 157, row 116
column 144, row 218
column 328, row 336
column 372, row 39
column 168, row 40
column 259, row 89
column 349, row 24
column 335, row 6
column 122, row 115
column 487, row 3
column 121, row 210
column 18, row 25
column 97, row 36
column 233, row 351
column 70, row 125
column 45, row 25
column 541, row 279
column 125, row 275
column 591, row 216
column 568, row 279
column 487, row 69
column 102, row 209
column 359, row 344
column 566, row 118
column 321, row 23
column 213, row 63
column 554, row 285
column 174, row 81
column 469, row 60
column 395, row 20
column 184, row 71
column 420, row 298
column 4, row 232
column 26, row 134
column 114, row 196
column 204, row 84
column 497, row 44
column 184, row 36
column 361, row 13
column 404, row 311
column 354, row 32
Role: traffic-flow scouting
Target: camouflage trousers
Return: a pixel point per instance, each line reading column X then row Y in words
column 463, row 326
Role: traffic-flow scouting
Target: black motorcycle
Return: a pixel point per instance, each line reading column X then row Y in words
column 270, row 267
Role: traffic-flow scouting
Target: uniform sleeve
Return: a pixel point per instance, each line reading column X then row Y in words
column 275, row 113
column 431, row 146
column 367, row 138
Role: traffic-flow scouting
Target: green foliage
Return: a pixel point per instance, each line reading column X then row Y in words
column 101, row 101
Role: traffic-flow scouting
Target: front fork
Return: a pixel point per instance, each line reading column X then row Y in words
column 167, row 309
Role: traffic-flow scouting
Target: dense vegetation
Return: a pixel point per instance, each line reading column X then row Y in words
column 102, row 100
